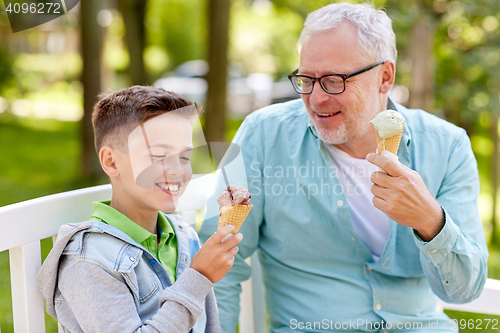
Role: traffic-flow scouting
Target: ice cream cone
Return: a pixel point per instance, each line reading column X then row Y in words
column 234, row 215
column 391, row 144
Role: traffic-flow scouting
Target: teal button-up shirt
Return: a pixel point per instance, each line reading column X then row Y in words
column 318, row 276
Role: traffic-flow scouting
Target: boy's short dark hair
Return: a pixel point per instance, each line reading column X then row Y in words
column 117, row 114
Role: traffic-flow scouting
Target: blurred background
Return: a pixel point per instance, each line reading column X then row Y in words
column 231, row 57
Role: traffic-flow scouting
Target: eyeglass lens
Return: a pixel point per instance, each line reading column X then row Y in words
column 331, row 83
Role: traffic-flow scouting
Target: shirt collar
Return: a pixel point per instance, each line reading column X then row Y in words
column 164, row 225
column 107, row 214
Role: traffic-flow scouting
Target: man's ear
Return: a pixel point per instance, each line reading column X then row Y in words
column 388, row 74
column 108, row 160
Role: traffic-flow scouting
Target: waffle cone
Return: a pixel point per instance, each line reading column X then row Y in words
column 391, row 143
column 234, row 215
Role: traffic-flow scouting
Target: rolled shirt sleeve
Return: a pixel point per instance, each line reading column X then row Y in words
column 455, row 261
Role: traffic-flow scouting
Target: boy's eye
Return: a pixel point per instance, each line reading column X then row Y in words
column 158, row 157
column 187, row 159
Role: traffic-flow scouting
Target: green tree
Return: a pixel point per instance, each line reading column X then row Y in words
column 134, row 13
column 179, row 27
column 91, row 35
column 218, row 27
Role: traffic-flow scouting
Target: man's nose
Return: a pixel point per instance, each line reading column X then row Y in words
column 318, row 95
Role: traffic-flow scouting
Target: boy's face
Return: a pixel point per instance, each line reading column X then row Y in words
column 159, row 152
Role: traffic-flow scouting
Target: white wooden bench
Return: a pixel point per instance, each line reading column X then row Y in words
column 25, row 224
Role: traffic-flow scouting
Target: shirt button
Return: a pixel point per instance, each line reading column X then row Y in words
column 152, row 262
column 340, row 203
column 132, row 259
column 378, row 306
column 353, row 238
column 185, row 260
column 368, row 268
column 434, row 251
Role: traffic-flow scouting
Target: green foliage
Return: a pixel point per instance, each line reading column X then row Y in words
column 115, row 55
column 6, row 72
column 179, row 28
column 467, row 77
column 39, row 157
column 264, row 38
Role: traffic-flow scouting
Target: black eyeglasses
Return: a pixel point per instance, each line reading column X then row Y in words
column 331, row 83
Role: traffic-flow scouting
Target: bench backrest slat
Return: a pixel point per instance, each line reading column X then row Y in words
column 40, row 218
column 27, row 303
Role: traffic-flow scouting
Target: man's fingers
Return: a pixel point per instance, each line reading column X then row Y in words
column 379, row 203
column 380, row 192
column 392, row 167
column 381, row 179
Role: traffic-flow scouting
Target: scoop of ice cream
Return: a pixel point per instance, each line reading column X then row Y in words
column 388, row 123
column 234, row 195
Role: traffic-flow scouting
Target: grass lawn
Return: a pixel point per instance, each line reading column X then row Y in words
column 41, row 157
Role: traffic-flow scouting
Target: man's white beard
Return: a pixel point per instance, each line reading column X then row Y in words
column 334, row 137
column 352, row 128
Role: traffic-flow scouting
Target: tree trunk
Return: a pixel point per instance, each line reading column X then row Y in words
column 91, row 79
column 215, row 125
column 134, row 12
column 422, row 73
column 494, row 178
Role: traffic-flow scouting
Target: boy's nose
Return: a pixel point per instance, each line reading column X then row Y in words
column 173, row 169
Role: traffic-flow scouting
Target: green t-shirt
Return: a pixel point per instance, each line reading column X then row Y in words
column 165, row 251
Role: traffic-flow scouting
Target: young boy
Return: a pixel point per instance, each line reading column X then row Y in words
column 116, row 272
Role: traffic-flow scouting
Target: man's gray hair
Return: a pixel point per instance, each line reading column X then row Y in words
column 376, row 37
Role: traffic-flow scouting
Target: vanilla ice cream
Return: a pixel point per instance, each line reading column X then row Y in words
column 388, row 123
column 389, row 126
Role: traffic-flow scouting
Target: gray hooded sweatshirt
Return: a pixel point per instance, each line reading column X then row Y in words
column 97, row 279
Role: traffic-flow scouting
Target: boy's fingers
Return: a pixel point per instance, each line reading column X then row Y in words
column 221, row 234
column 232, row 241
column 232, row 251
column 226, row 238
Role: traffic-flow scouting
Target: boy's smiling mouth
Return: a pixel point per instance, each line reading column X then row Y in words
column 171, row 188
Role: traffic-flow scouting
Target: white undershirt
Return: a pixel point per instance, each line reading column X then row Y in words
column 370, row 224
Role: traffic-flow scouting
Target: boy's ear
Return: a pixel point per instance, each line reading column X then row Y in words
column 388, row 72
column 107, row 158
